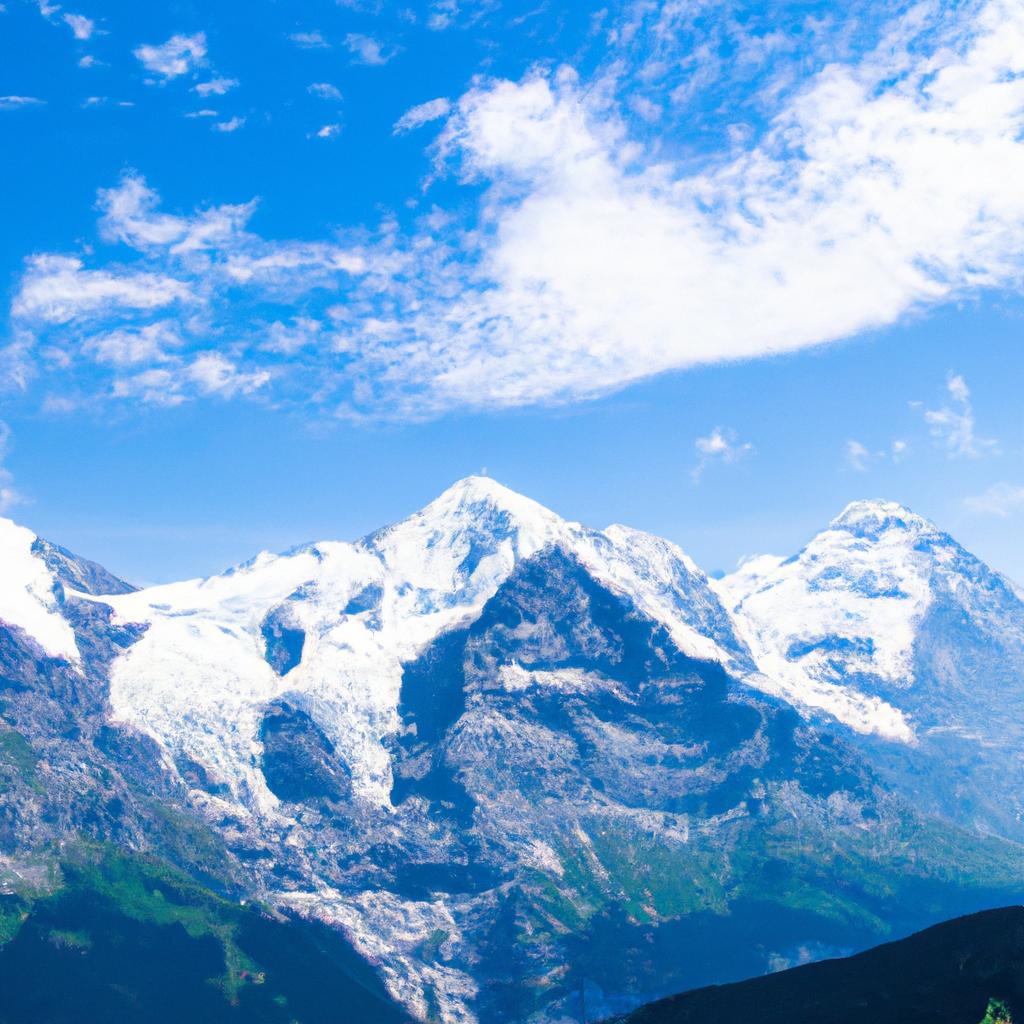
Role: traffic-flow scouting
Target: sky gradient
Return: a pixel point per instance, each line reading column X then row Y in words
column 709, row 270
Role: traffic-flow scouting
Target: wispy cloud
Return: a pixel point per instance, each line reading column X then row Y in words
column 367, row 50
column 860, row 458
column 422, row 114
column 153, row 329
column 19, row 102
column 588, row 258
column 216, row 86
column 1001, row 499
column 179, row 56
column 953, row 425
column 325, row 91
column 720, row 446
column 9, row 497
column 329, row 131
column 310, row 40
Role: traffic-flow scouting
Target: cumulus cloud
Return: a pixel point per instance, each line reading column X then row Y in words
column 328, row 131
column 953, row 425
column 720, row 446
column 81, row 26
column 231, row 125
column 1001, row 499
column 422, row 114
column 179, row 56
column 367, row 50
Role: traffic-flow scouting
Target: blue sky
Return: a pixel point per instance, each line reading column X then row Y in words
column 275, row 273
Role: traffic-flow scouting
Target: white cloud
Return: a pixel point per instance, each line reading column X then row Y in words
column 953, row 425
column 289, row 339
column 205, row 112
column 153, row 328
column 367, row 50
column 9, row 497
column 325, row 91
column 216, row 86
column 180, row 55
column 130, row 346
column 857, row 456
column 422, row 114
column 879, row 187
column 599, row 264
column 19, row 102
column 81, row 26
column 231, row 125
column 860, row 458
column 720, row 446
column 329, row 131
column 216, row 375
column 89, row 61
column 1002, row 500
column 57, row 290
column 310, row 40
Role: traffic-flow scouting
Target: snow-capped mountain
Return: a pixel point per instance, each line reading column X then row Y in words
column 886, row 624
column 519, row 761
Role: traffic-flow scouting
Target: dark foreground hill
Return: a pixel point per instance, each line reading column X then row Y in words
column 944, row 975
column 128, row 939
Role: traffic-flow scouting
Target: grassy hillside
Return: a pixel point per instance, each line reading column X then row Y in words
column 130, row 939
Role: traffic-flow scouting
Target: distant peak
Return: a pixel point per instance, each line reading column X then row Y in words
column 873, row 517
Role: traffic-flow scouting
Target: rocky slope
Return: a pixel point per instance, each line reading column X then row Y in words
column 524, row 765
column 884, row 613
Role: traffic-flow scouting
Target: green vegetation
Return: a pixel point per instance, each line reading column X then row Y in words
column 17, row 761
column 153, row 892
column 128, row 937
column 997, row 1013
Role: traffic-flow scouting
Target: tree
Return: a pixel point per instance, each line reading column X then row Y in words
column 997, row 1013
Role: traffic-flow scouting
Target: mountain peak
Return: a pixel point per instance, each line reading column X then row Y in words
column 476, row 490
column 870, row 518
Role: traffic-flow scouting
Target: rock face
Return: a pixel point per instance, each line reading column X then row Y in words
column 531, row 769
column 886, row 625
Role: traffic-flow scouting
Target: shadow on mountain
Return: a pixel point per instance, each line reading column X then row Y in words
column 947, row 974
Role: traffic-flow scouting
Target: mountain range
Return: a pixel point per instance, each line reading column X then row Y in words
column 528, row 769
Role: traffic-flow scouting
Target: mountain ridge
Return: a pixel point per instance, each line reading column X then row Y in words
column 487, row 743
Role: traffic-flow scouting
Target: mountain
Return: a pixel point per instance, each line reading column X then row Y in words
column 952, row 973
column 884, row 625
column 523, row 765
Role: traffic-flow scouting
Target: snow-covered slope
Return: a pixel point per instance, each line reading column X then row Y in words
column 28, row 592
column 200, row 679
column 885, row 623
